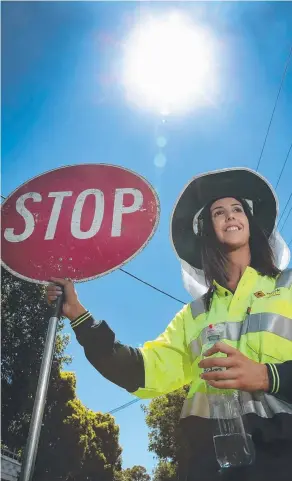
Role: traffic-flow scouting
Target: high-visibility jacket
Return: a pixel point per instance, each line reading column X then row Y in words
column 257, row 320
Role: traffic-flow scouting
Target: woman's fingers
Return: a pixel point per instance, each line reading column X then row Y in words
column 217, row 362
column 221, row 347
column 53, row 291
column 53, row 296
column 226, row 384
column 57, row 287
column 53, row 288
column 220, row 375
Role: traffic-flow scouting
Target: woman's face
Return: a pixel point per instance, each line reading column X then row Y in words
column 230, row 223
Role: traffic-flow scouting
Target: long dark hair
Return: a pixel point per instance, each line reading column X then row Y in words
column 214, row 259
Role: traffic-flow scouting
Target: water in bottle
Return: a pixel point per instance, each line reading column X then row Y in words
column 233, row 445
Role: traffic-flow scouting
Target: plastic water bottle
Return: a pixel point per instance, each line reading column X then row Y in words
column 233, row 446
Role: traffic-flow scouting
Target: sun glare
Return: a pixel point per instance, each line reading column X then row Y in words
column 169, row 65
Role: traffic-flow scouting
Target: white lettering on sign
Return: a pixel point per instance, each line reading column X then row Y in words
column 120, row 209
column 55, row 214
column 77, row 212
column 27, row 216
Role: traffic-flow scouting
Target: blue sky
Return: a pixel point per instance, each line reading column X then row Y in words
column 61, row 105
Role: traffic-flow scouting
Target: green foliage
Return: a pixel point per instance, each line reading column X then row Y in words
column 76, row 444
column 83, row 444
column 136, row 473
column 162, row 418
column 24, row 324
column 165, row 471
column 165, row 437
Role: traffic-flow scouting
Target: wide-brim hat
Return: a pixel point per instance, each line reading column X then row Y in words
column 238, row 182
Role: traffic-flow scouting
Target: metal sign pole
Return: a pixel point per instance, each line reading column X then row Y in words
column 27, row 467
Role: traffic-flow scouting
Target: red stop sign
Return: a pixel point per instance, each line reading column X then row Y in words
column 79, row 221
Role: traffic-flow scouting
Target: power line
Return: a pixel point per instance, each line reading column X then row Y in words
column 275, row 105
column 286, row 219
column 153, row 287
column 123, row 406
column 3, row 197
column 284, row 209
column 279, row 178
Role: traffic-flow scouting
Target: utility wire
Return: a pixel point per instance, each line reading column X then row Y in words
column 286, row 219
column 275, row 105
column 284, row 209
column 123, row 406
column 279, row 178
column 153, row 287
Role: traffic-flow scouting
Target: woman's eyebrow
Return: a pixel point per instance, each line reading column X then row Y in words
column 219, row 207
column 222, row 207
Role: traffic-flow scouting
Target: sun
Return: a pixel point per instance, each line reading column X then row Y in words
column 169, row 65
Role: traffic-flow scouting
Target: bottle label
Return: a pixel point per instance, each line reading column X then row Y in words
column 213, row 369
column 214, row 335
column 213, row 338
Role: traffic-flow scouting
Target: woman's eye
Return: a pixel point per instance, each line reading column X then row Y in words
column 218, row 212
column 238, row 209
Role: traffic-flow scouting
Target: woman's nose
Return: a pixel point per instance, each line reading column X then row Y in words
column 230, row 216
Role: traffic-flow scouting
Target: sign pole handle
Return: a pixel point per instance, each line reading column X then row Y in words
column 28, row 464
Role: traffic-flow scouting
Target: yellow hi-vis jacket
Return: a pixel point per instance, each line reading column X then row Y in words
column 256, row 319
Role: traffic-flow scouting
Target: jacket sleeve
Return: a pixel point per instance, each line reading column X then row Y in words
column 280, row 380
column 123, row 365
column 161, row 366
column 280, row 374
column 167, row 361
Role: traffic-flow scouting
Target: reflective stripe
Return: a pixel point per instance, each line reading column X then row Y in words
column 279, row 325
column 272, row 370
column 198, row 307
column 276, row 378
column 232, row 331
column 264, row 405
column 285, row 279
column 80, row 319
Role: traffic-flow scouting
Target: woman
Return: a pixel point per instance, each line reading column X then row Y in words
column 221, row 224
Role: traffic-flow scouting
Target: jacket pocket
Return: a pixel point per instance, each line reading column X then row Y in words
column 268, row 336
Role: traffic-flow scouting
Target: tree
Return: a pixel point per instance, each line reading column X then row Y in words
column 165, row 471
column 136, row 473
column 24, row 326
column 165, row 437
column 76, row 444
column 83, row 444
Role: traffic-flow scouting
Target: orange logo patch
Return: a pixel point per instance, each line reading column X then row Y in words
column 259, row 294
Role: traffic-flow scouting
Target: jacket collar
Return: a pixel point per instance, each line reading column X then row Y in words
column 248, row 282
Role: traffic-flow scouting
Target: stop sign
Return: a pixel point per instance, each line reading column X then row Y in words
column 79, row 221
